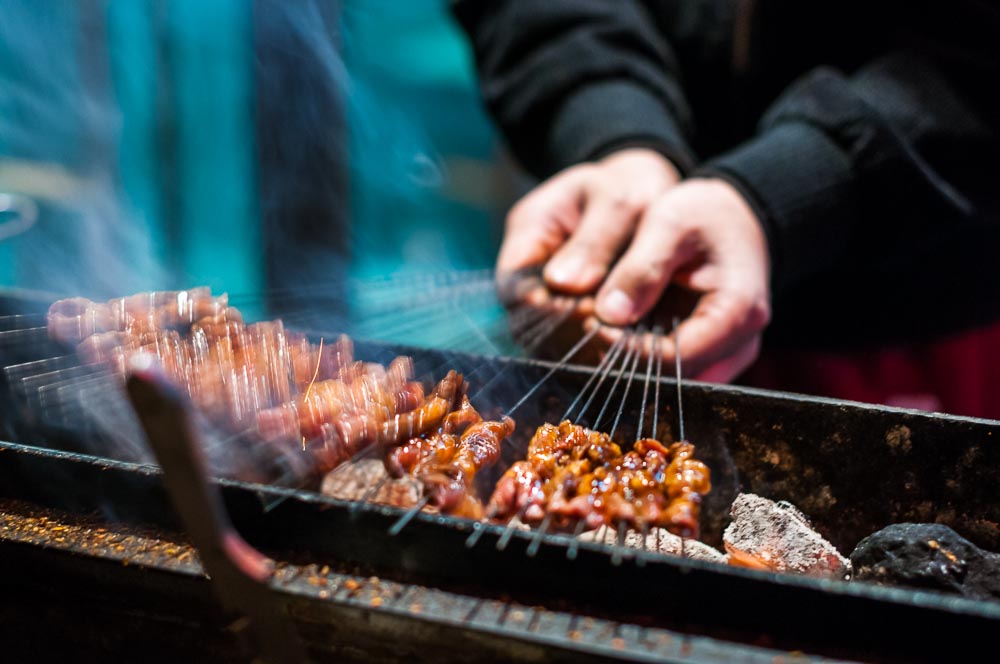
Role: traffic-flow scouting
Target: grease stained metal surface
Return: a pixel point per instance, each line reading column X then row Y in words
column 309, row 591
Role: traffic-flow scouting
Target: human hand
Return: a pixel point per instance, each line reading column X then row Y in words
column 703, row 236
column 562, row 238
column 577, row 222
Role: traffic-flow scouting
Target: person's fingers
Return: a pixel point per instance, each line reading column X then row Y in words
column 609, row 217
column 659, row 248
column 722, row 323
column 728, row 368
column 541, row 221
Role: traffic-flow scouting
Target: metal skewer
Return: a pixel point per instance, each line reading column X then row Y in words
column 609, row 357
column 406, row 518
column 559, row 365
column 619, row 549
column 478, row 529
column 574, row 544
column 645, row 393
column 632, row 349
column 536, row 541
column 508, row 532
column 397, row 527
column 680, row 400
column 658, row 351
column 677, row 365
column 371, row 493
column 539, row 338
column 628, row 385
column 640, row 558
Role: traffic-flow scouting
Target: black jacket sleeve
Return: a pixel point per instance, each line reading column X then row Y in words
column 903, row 150
column 568, row 80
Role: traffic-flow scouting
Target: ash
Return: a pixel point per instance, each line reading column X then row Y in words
column 776, row 536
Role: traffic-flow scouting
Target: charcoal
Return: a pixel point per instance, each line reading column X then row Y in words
column 776, row 536
column 659, row 540
column 357, row 481
column 928, row 556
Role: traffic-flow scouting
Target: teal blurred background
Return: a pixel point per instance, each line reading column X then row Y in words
column 253, row 146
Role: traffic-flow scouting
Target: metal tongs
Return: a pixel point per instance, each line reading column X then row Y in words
column 239, row 573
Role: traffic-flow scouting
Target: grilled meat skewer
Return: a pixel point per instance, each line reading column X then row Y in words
column 450, row 483
column 574, row 474
column 74, row 319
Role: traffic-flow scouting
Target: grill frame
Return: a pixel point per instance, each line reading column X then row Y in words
column 810, row 433
column 156, row 601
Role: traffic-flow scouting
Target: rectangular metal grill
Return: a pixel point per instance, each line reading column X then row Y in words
column 852, row 468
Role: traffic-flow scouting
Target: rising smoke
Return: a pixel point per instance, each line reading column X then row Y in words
column 168, row 144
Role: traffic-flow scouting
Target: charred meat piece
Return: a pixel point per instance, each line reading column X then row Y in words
column 426, row 418
column 450, row 484
column 480, row 446
column 519, row 490
column 420, row 453
column 574, row 474
column 260, row 378
column 230, row 370
column 361, row 398
column 457, row 421
column 416, row 454
column 353, row 424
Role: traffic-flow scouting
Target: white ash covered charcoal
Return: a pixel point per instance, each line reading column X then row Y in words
column 776, row 536
column 353, row 482
column 658, row 540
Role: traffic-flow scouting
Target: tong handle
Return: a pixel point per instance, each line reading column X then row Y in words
column 240, row 574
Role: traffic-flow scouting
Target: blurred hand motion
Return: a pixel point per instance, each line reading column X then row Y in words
column 563, row 238
column 702, row 237
column 608, row 238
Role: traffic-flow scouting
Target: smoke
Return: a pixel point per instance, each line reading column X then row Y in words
column 57, row 131
column 195, row 142
column 254, row 147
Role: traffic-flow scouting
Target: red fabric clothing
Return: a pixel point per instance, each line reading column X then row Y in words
column 959, row 374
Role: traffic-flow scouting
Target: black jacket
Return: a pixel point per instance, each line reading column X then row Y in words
column 865, row 134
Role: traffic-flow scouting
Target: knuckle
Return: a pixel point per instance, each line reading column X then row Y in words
column 662, row 213
column 625, row 202
column 581, row 248
column 524, row 211
column 760, row 314
column 644, row 274
column 754, row 312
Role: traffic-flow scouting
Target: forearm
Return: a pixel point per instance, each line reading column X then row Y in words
column 894, row 150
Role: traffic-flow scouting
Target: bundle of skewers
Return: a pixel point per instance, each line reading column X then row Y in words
column 375, row 427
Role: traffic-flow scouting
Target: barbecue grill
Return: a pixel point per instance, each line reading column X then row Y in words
column 361, row 580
